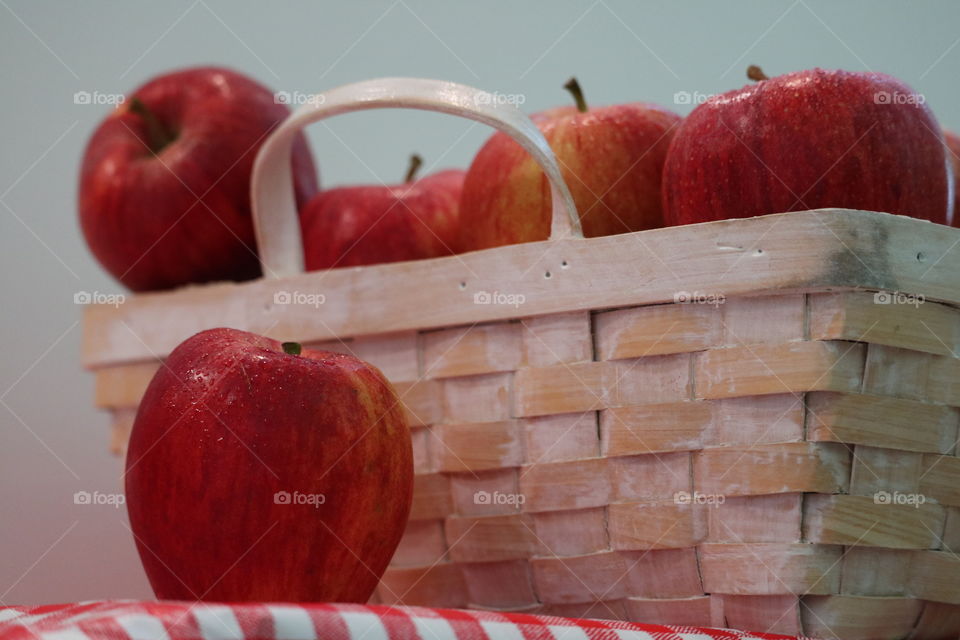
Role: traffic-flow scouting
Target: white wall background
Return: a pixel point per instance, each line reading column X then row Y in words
column 52, row 442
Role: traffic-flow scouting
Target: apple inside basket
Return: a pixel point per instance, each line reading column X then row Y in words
column 746, row 423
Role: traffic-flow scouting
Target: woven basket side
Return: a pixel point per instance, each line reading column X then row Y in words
column 783, row 463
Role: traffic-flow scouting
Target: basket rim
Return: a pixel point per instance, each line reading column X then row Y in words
column 808, row 251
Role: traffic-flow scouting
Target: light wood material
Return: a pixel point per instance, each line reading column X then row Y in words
column 938, row 621
column 785, row 368
column 432, row 497
column 500, row 586
column 573, row 533
column 951, row 529
column 601, row 450
column 840, row 250
column 442, row 583
column 651, row 477
column 874, row 571
column 859, row 618
column 772, row 468
column 933, row 576
column 471, row 350
column 578, row 484
column 423, row 543
column 475, row 447
column 694, row 612
column 665, row 573
column 120, row 430
column 914, row 375
column 396, row 355
column 667, row 524
column 493, row 538
column 658, row 330
column 882, row 422
column 483, row 493
column 876, row 470
column 422, row 401
column 123, row 386
column 764, row 518
column 588, row 386
column 861, row 520
column 940, row 479
column 656, row 427
column 561, row 437
column 888, row 318
column 770, row 569
column 773, row 614
column 562, row 337
column 574, row 579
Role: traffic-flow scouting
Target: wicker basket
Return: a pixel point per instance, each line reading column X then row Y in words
column 720, row 424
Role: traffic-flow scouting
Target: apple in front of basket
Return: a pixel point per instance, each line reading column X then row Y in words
column 260, row 471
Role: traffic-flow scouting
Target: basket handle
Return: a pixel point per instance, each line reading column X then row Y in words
column 275, row 218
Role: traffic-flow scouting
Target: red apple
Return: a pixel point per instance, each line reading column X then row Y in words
column 164, row 192
column 953, row 153
column 370, row 224
column 611, row 158
column 808, row 140
column 259, row 472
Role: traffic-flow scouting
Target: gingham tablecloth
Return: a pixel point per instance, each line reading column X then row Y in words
column 136, row 620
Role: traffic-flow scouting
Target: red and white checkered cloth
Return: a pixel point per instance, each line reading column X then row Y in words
column 133, row 620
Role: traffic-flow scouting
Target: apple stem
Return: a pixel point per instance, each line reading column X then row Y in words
column 756, row 74
column 574, row 88
column 292, row 348
column 158, row 135
column 415, row 162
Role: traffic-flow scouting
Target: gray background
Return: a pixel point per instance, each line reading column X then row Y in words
column 53, row 442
